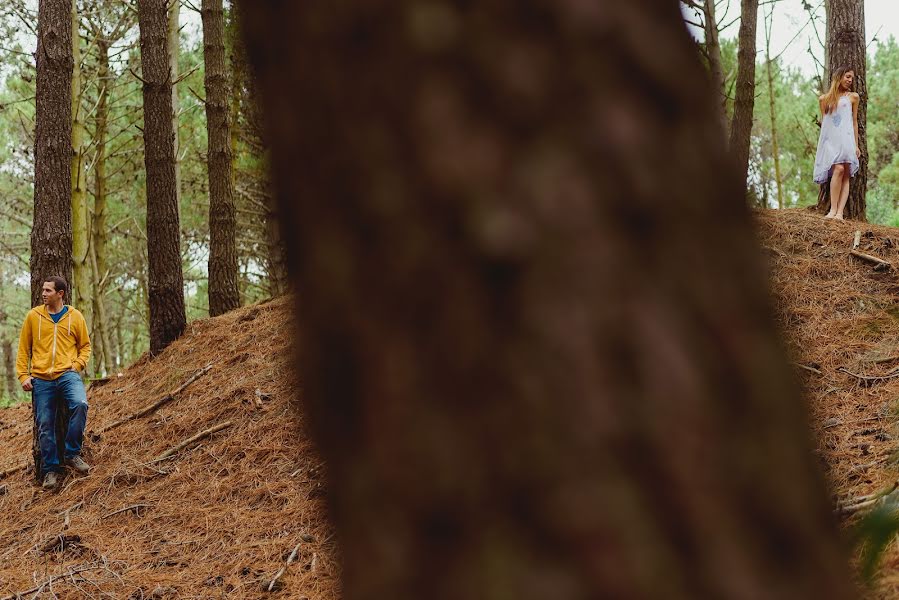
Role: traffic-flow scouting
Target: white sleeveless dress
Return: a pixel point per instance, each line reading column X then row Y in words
column 837, row 142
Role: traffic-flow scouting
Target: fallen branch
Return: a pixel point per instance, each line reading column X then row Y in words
column 67, row 574
column 269, row 586
column 878, row 263
column 134, row 507
column 203, row 434
column 11, row 470
column 807, row 368
column 869, row 379
column 857, row 240
column 67, row 512
column 865, row 501
column 164, row 400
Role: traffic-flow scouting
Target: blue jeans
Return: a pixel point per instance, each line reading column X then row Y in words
column 67, row 388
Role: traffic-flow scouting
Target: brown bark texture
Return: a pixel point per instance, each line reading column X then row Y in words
column 224, row 294
column 99, row 234
column 51, row 234
column 509, row 407
column 846, row 46
column 165, row 278
column 744, row 99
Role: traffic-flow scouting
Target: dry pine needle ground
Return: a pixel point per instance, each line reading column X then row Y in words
column 218, row 519
column 840, row 317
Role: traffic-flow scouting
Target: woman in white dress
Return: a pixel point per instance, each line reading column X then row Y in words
column 838, row 153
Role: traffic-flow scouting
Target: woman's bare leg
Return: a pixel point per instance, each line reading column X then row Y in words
column 836, row 190
column 844, row 192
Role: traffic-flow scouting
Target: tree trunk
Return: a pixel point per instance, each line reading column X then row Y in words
column 713, row 53
column 244, row 77
column 80, row 294
column 223, row 292
column 51, row 234
column 507, row 407
column 165, row 279
column 174, row 52
column 13, row 391
column 744, row 101
column 846, row 46
column 775, row 150
column 99, row 226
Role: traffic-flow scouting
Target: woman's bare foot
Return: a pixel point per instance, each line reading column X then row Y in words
column 839, row 217
column 829, row 216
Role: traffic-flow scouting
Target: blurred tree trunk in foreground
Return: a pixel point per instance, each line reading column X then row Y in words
column 538, row 354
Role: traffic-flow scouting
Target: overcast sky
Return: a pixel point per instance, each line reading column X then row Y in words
column 881, row 20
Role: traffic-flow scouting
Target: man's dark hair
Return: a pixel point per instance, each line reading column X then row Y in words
column 59, row 284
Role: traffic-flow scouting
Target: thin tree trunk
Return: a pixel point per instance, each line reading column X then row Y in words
column 224, row 294
column 507, row 408
column 744, row 101
column 245, row 89
column 174, row 53
column 80, row 294
column 713, row 53
column 773, row 112
column 165, row 279
column 51, row 234
column 13, row 391
column 99, row 226
column 846, row 46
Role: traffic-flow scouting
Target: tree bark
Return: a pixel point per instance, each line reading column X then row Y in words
column 507, row 408
column 744, row 101
column 80, row 294
column 246, row 94
column 51, row 234
column 223, row 292
column 165, row 278
column 174, row 53
column 846, row 46
column 769, row 71
column 99, row 226
column 713, row 54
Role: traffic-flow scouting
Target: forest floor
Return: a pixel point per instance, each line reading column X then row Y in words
column 218, row 519
column 840, row 318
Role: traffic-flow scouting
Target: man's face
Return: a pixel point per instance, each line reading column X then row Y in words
column 49, row 293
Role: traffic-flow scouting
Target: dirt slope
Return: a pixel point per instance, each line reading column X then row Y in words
column 217, row 519
column 841, row 318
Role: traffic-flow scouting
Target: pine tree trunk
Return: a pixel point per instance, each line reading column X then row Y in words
column 165, row 279
column 51, row 235
column 9, row 369
column 174, row 53
column 99, row 233
column 846, row 47
column 223, row 292
column 775, row 149
column 80, row 294
column 245, row 88
column 713, row 52
column 527, row 374
column 744, row 102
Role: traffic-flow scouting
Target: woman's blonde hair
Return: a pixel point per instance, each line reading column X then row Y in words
column 832, row 97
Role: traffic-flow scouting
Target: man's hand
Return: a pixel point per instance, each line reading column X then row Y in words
column 26, row 385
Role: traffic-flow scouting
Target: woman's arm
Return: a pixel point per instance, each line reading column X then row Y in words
column 855, row 99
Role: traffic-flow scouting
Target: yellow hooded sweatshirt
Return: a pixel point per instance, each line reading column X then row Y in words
column 52, row 348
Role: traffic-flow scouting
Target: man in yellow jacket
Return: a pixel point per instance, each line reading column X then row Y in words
column 54, row 348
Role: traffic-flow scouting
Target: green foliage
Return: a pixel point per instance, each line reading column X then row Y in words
column 872, row 536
